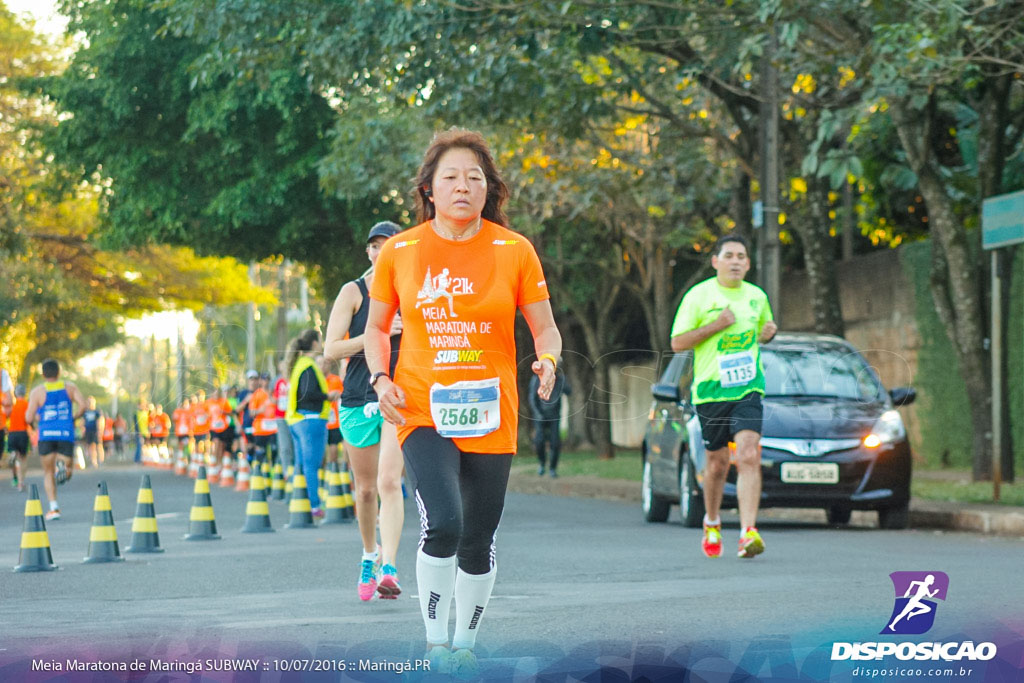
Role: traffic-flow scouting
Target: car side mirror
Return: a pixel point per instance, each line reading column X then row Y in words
column 666, row 392
column 903, row 396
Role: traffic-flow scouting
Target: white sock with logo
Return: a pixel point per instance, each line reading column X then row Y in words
column 717, row 522
column 472, row 592
column 435, row 580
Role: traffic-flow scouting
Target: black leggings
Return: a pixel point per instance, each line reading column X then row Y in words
column 460, row 497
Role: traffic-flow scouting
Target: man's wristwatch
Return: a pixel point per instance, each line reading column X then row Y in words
column 376, row 376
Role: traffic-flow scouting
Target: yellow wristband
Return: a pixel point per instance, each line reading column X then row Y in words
column 554, row 363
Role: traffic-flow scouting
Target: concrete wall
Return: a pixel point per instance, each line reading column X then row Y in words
column 877, row 302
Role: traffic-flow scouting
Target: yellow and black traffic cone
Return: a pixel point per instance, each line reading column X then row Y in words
column 265, row 470
column 289, row 482
column 300, row 512
column 35, row 553
column 257, row 512
column 348, row 505
column 202, row 526
column 277, row 483
column 103, row 535
column 334, row 507
column 145, row 538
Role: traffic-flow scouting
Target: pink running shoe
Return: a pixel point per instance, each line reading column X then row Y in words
column 388, row 586
column 367, row 585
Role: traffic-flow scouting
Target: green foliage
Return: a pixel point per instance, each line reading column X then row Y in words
column 626, row 465
column 1015, row 361
column 192, row 157
column 965, row 491
column 942, row 399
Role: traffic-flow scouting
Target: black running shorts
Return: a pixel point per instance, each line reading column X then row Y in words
column 17, row 442
column 720, row 421
column 65, row 448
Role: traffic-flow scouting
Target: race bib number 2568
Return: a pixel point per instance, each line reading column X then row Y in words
column 466, row 409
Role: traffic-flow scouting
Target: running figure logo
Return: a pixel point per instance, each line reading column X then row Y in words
column 914, row 612
column 434, row 288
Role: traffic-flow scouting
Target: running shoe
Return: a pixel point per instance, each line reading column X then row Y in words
column 367, row 585
column 439, row 659
column 317, row 513
column 751, row 543
column 52, row 515
column 388, row 586
column 711, row 542
column 61, row 474
column 464, row 665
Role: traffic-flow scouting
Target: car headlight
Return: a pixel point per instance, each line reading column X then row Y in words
column 888, row 429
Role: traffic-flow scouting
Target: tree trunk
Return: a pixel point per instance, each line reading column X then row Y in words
column 954, row 279
column 655, row 298
column 599, row 328
column 581, row 378
column 739, row 206
column 820, row 263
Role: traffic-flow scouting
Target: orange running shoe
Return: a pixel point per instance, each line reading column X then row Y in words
column 711, row 542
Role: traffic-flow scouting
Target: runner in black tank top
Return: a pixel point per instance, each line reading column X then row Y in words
column 370, row 444
column 357, row 391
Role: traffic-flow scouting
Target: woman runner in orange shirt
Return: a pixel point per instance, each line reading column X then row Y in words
column 458, row 278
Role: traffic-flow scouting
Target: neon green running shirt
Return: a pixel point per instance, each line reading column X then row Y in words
column 727, row 365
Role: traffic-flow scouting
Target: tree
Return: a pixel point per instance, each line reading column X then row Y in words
column 192, row 157
column 65, row 295
column 917, row 71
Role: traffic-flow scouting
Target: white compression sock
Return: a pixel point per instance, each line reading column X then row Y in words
column 435, row 580
column 472, row 592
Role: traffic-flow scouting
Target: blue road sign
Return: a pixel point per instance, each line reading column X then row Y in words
column 1002, row 220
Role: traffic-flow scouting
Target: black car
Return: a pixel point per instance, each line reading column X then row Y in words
column 831, row 437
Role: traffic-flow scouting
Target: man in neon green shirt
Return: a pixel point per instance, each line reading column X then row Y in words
column 724, row 319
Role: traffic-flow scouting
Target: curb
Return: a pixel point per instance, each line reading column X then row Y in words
column 979, row 518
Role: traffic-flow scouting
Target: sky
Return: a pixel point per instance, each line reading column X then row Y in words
column 43, row 12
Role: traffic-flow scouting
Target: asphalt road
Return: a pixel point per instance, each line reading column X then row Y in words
column 579, row 580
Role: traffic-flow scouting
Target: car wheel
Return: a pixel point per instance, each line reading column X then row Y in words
column 838, row 515
column 691, row 501
column 654, row 506
column 895, row 517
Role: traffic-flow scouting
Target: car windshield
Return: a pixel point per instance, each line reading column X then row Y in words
column 820, row 372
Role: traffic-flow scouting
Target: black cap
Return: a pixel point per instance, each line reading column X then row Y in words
column 383, row 229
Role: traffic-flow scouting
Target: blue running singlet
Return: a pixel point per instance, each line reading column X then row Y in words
column 55, row 420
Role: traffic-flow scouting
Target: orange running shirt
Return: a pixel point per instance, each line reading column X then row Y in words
column 334, row 383
column 458, row 302
column 220, row 410
column 182, row 422
column 264, row 410
column 159, row 425
column 17, row 416
column 200, row 418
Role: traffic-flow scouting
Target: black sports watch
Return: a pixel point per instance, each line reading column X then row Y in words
column 376, row 376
